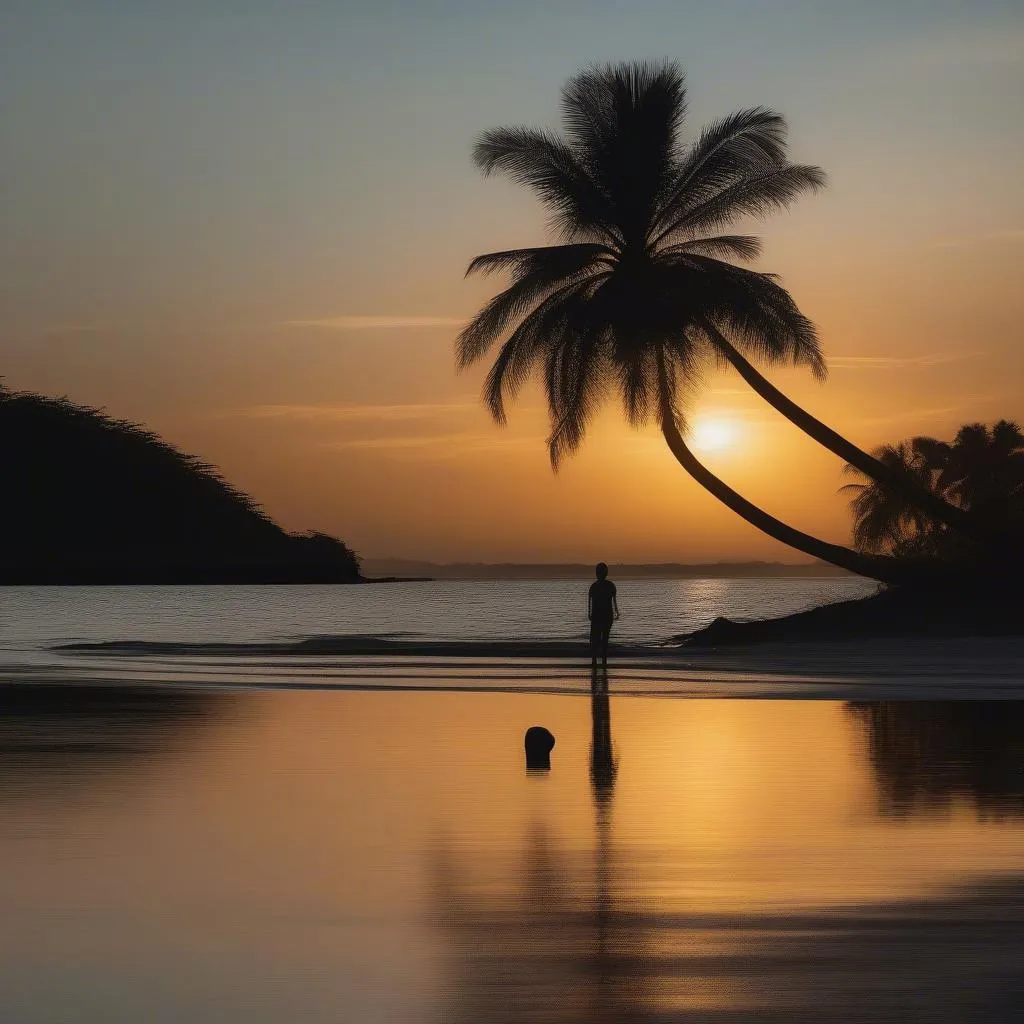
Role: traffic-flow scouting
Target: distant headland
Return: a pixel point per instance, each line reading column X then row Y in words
column 89, row 499
column 412, row 569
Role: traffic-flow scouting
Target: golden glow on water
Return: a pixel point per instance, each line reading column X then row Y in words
column 389, row 855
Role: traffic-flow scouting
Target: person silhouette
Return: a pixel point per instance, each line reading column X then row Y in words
column 602, row 609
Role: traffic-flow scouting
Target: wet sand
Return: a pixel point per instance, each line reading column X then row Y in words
column 385, row 857
column 932, row 667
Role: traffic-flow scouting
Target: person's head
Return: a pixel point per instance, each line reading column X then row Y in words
column 602, row 571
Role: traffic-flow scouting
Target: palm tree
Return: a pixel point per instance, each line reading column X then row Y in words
column 636, row 297
column 883, row 520
column 984, row 472
column 981, row 471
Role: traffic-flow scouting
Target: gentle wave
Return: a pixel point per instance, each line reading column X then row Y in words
column 370, row 645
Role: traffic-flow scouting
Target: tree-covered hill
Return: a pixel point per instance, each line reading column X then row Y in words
column 90, row 499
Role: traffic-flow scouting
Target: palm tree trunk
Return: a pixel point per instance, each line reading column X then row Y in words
column 935, row 507
column 884, row 569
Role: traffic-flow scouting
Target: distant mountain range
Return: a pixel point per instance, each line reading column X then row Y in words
column 407, row 567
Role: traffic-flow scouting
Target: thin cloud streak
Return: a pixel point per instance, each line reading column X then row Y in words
column 891, row 362
column 353, row 412
column 439, row 445
column 967, row 408
column 363, row 323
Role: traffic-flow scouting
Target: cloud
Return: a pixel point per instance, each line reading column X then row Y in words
column 437, row 445
column 433, row 423
column 967, row 408
column 912, row 414
column 363, row 323
column 348, row 412
column 892, row 362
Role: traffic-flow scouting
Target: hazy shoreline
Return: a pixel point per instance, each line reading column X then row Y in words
column 385, row 569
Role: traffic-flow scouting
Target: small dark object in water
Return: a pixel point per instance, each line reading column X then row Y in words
column 539, row 743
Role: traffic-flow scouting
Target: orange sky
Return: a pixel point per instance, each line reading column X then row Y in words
column 258, row 252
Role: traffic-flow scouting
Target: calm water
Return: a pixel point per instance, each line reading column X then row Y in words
column 372, row 857
column 33, row 620
column 652, row 610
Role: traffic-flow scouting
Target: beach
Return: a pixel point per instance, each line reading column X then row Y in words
column 915, row 668
column 172, row 855
column 488, row 635
column 206, row 820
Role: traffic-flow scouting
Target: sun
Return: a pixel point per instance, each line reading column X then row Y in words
column 713, row 435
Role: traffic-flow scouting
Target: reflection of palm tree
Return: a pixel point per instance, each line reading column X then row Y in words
column 925, row 754
column 641, row 296
column 980, row 471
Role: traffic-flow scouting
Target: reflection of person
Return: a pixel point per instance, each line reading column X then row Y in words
column 602, row 608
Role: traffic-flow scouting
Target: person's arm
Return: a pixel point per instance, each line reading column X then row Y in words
column 590, row 603
column 615, row 600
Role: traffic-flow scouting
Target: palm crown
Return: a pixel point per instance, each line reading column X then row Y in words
column 981, row 470
column 639, row 295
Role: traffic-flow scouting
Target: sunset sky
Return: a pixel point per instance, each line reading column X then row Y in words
column 245, row 224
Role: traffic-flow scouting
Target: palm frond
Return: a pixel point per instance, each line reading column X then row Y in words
column 622, row 122
column 547, row 166
column 638, row 386
column 537, row 333
column 726, row 148
column 755, row 194
column 554, row 260
column 744, row 247
column 1007, row 437
column 576, row 378
column 538, row 272
column 752, row 309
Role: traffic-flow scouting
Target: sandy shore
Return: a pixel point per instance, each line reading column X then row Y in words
column 911, row 668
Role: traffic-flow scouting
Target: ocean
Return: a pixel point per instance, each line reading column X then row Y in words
column 164, row 634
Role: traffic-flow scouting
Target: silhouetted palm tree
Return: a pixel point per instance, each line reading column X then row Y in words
column 638, row 297
column 984, row 472
column 883, row 520
column 981, row 470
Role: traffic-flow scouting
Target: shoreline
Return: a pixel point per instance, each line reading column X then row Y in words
column 949, row 668
column 890, row 614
